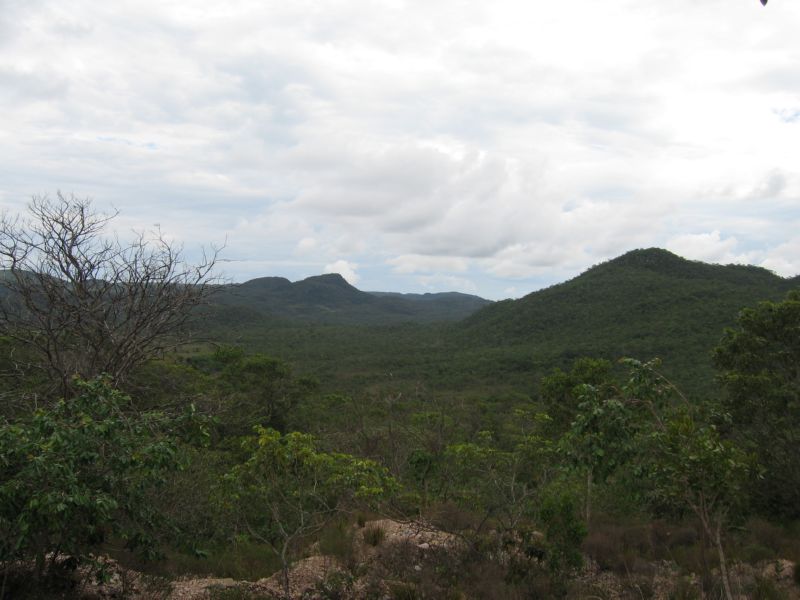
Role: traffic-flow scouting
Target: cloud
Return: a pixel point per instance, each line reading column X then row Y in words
column 784, row 259
column 707, row 247
column 344, row 268
column 306, row 245
column 506, row 141
column 416, row 263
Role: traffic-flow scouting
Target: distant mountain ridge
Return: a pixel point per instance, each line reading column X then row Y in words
column 646, row 303
column 331, row 299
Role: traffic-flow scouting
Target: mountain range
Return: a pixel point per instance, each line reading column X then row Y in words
column 330, row 299
column 646, row 303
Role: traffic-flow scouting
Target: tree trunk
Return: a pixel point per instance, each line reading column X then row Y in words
column 704, row 557
column 39, row 575
column 715, row 534
column 285, row 570
column 588, row 497
column 723, row 567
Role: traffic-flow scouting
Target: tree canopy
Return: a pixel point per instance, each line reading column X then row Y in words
column 759, row 368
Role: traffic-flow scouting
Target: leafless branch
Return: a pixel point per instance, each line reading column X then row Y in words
column 88, row 303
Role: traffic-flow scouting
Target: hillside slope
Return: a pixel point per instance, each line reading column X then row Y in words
column 644, row 303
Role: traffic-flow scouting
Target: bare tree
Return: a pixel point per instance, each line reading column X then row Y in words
column 86, row 302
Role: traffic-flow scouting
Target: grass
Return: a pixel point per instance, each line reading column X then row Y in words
column 374, row 535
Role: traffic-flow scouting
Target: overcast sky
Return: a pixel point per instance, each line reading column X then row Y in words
column 415, row 145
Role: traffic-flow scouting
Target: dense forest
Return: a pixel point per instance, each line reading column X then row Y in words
column 630, row 433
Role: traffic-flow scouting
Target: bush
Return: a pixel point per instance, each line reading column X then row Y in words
column 564, row 533
column 78, row 473
column 398, row 559
column 604, row 546
column 236, row 593
column 685, row 590
column 337, row 540
column 765, row 589
column 754, row 553
column 403, row 591
column 337, row 585
column 683, row 536
column 242, row 559
column 374, row 535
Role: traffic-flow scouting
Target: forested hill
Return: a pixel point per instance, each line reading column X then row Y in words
column 644, row 303
column 330, row 299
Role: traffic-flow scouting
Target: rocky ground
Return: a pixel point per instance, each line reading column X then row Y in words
column 411, row 546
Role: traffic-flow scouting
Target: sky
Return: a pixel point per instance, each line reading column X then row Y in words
column 492, row 148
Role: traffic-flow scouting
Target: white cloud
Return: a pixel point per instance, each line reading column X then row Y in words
column 417, row 263
column 344, row 268
column 306, row 246
column 708, row 247
column 784, row 259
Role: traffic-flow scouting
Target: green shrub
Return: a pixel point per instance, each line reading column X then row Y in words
column 403, row 591
column 374, row 535
column 337, row 540
column 564, row 533
column 243, row 559
column 765, row 533
column 765, row 589
column 337, row 585
column 683, row 536
column 605, row 547
column 685, row 590
column 754, row 553
column 81, row 472
column 236, row 593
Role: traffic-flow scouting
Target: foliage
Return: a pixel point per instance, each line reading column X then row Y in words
column 240, row 389
column 564, row 532
column 288, row 488
column 601, row 438
column 686, row 463
column 673, row 447
column 759, row 363
column 80, row 472
column 261, row 389
column 501, row 484
column 20, row 387
column 562, row 391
